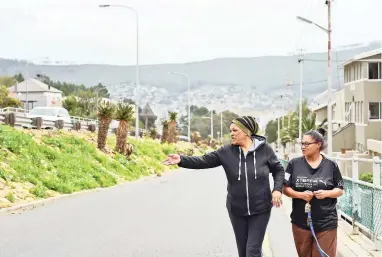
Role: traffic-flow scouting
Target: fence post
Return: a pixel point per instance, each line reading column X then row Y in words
column 10, row 119
column 338, row 161
column 376, row 204
column 59, row 124
column 377, row 171
column 355, row 196
column 77, row 125
column 37, row 122
column 92, row 127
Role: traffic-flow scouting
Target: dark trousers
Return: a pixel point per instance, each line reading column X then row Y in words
column 249, row 233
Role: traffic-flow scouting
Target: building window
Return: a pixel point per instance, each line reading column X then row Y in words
column 345, row 75
column 374, row 70
column 348, row 75
column 346, row 111
column 375, row 111
column 357, row 120
column 353, row 73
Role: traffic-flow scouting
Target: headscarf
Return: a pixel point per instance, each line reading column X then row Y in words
column 248, row 124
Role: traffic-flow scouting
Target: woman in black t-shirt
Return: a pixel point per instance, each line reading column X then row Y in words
column 314, row 182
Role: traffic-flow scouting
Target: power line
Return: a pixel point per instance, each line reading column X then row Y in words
column 305, row 83
column 315, row 60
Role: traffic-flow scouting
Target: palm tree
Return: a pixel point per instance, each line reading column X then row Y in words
column 105, row 114
column 164, row 131
column 172, row 127
column 309, row 123
column 153, row 133
column 195, row 137
column 173, row 117
column 285, row 136
column 123, row 114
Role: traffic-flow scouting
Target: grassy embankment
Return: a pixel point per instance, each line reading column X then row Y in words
column 41, row 164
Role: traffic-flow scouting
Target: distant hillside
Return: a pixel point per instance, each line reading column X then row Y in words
column 262, row 73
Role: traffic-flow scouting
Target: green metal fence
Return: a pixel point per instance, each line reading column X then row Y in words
column 362, row 203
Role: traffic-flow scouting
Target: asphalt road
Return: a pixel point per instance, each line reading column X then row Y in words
column 180, row 214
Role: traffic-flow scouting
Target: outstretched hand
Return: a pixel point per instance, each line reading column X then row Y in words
column 172, row 159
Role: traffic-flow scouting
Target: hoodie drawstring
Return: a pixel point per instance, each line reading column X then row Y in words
column 254, row 163
column 239, row 163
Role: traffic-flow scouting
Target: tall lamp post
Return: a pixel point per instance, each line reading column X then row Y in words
column 189, row 101
column 212, row 122
column 301, row 62
column 137, row 62
column 329, row 32
column 99, row 89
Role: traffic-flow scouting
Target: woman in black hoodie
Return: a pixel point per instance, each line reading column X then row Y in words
column 247, row 162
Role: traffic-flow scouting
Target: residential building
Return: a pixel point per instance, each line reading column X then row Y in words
column 319, row 105
column 147, row 115
column 357, row 113
column 34, row 93
column 363, row 100
column 357, row 108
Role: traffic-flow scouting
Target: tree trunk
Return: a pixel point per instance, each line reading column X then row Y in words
column 103, row 129
column 172, row 132
column 121, row 136
column 164, row 134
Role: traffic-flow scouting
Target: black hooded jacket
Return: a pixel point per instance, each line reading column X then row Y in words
column 248, row 188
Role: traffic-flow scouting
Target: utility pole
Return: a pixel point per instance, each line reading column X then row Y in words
column 301, row 62
column 289, row 102
column 221, row 127
column 26, row 85
column 330, row 127
column 212, row 124
column 278, row 133
column 282, row 115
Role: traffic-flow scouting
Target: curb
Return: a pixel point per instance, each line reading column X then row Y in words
column 38, row 203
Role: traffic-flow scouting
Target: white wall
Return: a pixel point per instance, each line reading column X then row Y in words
column 42, row 99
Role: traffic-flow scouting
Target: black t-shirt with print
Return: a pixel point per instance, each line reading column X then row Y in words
column 300, row 176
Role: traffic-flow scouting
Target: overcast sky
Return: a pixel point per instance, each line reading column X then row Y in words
column 174, row 31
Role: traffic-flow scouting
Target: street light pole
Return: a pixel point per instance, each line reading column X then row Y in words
column 26, row 85
column 98, row 96
column 283, row 109
column 278, row 133
column 301, row 62
column 212, row 124
column 330, row 127
column 289, row 102
column 189, row 101
column 137, row 63
column 221, row 127
column 329, row 32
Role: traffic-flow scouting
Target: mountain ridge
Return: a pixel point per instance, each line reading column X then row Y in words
column 260, row 73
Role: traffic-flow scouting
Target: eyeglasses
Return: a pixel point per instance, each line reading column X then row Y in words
column 306, row 144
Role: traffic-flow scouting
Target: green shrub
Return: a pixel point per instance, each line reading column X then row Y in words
column 367, row 177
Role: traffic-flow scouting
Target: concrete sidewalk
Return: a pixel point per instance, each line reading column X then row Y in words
column 282, row 243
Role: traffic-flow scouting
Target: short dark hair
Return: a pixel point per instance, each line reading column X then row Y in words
column 318, row 136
